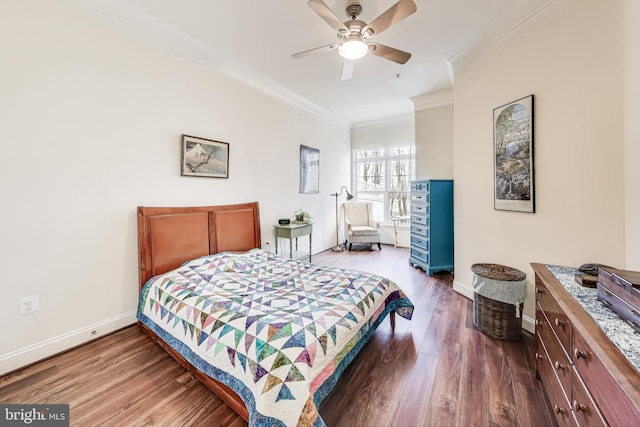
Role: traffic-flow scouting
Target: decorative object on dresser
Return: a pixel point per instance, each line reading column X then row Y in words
column 587, row 357
column 432, row 225
column 360, row 225
column 513, row 156
column 338, row 247
column 620, row 291
column 204, row 157
column 498, row 300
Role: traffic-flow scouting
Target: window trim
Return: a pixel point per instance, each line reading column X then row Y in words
column 386, row 159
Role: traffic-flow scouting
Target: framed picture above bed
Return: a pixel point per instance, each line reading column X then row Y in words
column 513, row 156
column 309, row 169
column 204, row 157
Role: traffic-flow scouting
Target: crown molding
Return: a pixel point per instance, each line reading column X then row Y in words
column 433, row 100
column 508, row 26
column 136, row 20
column 397, row 121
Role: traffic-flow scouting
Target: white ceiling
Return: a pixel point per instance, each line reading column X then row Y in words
column 253, row 41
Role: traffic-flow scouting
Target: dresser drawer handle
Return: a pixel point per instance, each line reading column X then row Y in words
column 539, row 356
column 579, row 354
column 634, row 312
column 559, row 366
column 606, row 292
column 539, row 291
column 617, row 282
column 538, row 323
column 559, row 322
column 579, row 406
column 558, row 410
column 607, row 303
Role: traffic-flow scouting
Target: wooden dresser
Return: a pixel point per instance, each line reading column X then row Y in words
column 588, row 381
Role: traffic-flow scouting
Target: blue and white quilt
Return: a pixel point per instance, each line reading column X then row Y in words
column 277, row 331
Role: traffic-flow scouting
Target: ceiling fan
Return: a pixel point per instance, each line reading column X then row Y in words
column 353, row 34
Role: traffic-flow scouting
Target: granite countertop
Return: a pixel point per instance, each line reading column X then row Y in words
column 619, row 332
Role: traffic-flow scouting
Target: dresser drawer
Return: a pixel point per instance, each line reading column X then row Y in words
column 557, row 356
column 613, row 403
column 557, row 318
column 584, row 408
column 420, row 186
column 419, row 219
column 420, row 198
column 420, row 255
column 419, row 230
column 420, row 242
column 419, row 209
column 557, row 397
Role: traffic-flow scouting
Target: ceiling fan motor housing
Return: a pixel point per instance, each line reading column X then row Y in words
column 353, row 11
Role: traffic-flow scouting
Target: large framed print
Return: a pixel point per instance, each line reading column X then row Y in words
column 309, row 169
column 513, row 156
column 204, row 157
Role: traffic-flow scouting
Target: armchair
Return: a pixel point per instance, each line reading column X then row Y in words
column 360, row 225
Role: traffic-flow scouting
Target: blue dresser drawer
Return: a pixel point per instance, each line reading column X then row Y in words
column 416, row 219
column 419, row 242
column 419, row 209
column 419, row 198
column 418, row 229
column 420, row 255
column 420, row 186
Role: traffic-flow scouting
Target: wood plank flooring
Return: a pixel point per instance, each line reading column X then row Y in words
column 435, row 370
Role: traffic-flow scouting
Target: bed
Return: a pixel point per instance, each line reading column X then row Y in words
column 267, row 334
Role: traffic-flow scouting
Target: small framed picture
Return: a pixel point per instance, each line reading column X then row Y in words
column 513, row 156
column 204, row 157
column 309, row 169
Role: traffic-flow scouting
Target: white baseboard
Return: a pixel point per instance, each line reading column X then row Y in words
column 528, row 324
column 33, row 353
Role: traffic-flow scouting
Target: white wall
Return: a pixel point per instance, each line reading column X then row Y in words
column 572, row 62
column 632, row 131
column 91, row 123
column 434, row 143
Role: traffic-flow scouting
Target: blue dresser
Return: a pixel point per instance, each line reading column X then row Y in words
column 432, row 225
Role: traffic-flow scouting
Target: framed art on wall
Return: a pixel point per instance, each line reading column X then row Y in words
column 309, row 169
column 513, row 156
column 204, row 157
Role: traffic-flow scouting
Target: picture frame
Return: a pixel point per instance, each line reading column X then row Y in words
column 204, row 157
column 513, row 160
column 309, row 170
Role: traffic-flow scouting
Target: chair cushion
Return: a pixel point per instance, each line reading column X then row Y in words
column 357, row 213
column 364, row 230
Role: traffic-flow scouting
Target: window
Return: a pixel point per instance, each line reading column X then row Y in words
column 383, row 177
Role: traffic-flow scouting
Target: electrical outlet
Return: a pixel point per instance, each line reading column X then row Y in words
column 29, row 304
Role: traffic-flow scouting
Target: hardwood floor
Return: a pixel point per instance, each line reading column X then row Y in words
column 435, row 370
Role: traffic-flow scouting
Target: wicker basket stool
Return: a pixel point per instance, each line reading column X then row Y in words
column 498, row 299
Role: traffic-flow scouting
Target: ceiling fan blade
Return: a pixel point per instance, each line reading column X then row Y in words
column 315, row 50
column 327, row 14
column 347, row 69
column 395, row 13
column 390, row 53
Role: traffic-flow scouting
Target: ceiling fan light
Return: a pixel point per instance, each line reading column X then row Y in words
column 354, row 48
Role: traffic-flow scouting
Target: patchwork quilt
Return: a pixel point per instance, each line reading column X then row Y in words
column 277, row 331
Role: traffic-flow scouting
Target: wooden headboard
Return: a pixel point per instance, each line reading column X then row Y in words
column 167, row 237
